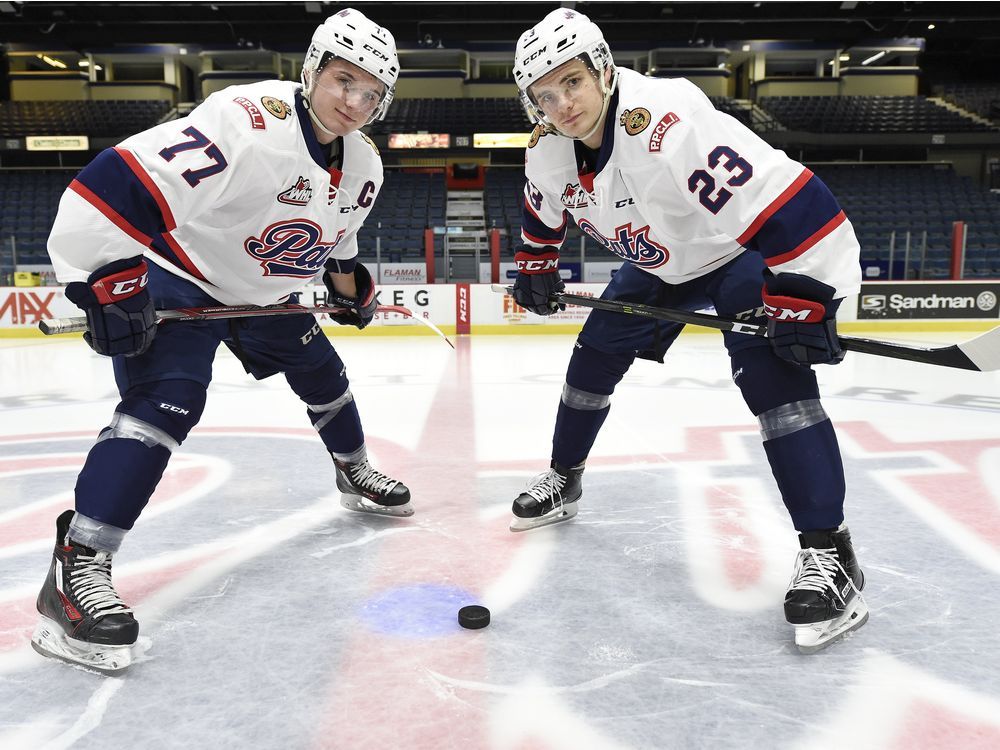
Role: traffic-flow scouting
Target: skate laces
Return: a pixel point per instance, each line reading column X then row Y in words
column 91, row 580
column 548, row 486
column 815, row 570
column 364, row 475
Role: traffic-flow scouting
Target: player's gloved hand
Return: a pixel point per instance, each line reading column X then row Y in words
column 537, row 278
column 359, row 310
column 120, row 314
column 801, row 319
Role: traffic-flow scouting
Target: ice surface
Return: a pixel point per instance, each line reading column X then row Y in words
column 652, row 620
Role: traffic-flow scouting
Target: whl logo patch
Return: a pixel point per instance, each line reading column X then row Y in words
column 574, row 196
column 298, row 194
column 634, row 245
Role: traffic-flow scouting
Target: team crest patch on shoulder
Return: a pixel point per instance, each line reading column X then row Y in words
column 369, row 141
column 635, row 120
column 276, row 107
column 538, row 131
column 298, row 194
column 256, row 116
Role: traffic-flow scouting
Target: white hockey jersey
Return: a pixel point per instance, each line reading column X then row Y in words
column 236, row 198
column 680, row 189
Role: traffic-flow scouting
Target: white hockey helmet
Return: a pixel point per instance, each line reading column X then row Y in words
column 558, row 38
column 351, row 36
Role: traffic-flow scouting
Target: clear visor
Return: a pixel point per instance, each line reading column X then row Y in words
column 360, row 96
column 564, row 87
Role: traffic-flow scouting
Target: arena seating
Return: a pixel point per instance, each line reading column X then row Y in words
column 981, row 98
column 868, row 114
column 96, row 119
column 455, row 115
column 407, row 204
column 880, row 200
column 28, row 202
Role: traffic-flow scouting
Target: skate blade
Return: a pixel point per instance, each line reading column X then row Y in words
column 566, row 512
column 815, row 637
column 360, row 504
column 49, row 640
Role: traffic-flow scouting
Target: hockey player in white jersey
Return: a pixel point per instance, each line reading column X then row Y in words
column 703, row 213
column 259, row 190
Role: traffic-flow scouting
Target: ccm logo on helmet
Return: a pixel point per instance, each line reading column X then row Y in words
column 537, row 53
column 378, row 53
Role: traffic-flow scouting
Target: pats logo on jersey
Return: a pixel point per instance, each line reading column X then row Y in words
column 298, row 194
column 635, row 120
column 276, row 107
column 634, row 245
column 291, row 248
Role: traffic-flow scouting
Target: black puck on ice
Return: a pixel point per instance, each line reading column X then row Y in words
column 473, row 617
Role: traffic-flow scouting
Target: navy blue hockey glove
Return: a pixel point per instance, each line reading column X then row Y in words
column 120, row 314
column 801, row 319
column 361, row 309
column 537, row 278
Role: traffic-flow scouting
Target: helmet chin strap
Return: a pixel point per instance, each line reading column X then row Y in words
column 315, row 119
column 307, row 101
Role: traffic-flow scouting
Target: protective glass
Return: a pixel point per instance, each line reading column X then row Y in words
column 359, row 96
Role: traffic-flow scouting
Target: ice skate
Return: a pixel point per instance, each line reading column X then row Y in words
column 824, row 600
column 84, row 621
column 551, row 498
column 366, row 490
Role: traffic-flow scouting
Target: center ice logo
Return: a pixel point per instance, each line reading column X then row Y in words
column 291, row 248
column 634, row 246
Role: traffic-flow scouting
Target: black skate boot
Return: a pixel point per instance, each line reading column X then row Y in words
column 84, row 621
column 550, row 498
column 369, row 491
column 824, row 599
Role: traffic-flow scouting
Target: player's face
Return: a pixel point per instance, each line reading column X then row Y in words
column 344, row 97
column 570, row 97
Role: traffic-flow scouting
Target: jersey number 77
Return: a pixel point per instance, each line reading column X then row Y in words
column 198, row 141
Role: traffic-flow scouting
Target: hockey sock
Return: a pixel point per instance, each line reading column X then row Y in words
column 810, row 474
column 330, row 405
column 799, row 439
column 118, row 479
column 591, row 378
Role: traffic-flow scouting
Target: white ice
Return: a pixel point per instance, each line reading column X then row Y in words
column 277, row 619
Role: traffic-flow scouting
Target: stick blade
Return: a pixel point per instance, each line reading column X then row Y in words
column 984, row 351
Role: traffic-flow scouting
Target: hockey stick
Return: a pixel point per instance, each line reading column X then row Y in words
column 981, row 353
column 76, row 325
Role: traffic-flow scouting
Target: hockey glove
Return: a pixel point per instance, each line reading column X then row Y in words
column 801, row 319
column 537, row 278
column 361, row 309
column 120, row 314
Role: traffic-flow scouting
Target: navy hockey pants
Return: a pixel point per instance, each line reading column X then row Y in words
column 798, row 438
column 163, row 394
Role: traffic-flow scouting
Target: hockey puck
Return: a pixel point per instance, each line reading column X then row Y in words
column 473, row 617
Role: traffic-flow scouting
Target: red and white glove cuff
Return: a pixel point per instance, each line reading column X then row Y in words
column 532, row 263
column 121, row 285
column 792, row 309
